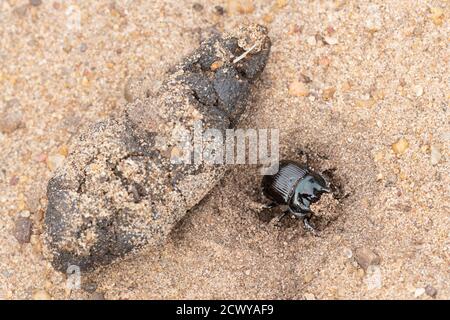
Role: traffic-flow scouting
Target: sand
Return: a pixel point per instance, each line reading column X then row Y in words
column 367, row 75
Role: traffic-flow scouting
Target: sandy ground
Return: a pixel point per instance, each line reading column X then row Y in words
column 360, row 86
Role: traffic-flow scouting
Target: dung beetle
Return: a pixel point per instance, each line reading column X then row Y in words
column 296, row 186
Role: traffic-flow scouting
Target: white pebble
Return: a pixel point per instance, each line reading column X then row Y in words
column 25, row 214
column 446, row 136
column 348, row 253
column 419, row 292
column 311, row 41
column 418, row 90
column 309, row 296
column 331, row 40
column 55, row 161
column 373, row 278
column 41, row 295
column 374, row 18
column 435, row 155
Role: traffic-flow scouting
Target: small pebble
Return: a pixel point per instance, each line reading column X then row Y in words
column 365, row 103
column 56, row 6
column 33, row 198
column 308, row 277
column 41, row 295
column 360, row 273
column 55, row 161
column 324, row 61
column 83, row 47
column 330, row 30
column 7, row 273
column 176, row 154
column 298, row 89
column 319, row 38
column 219, row 10
column 39, row 215
column 378, row 156
column 311, row 41
column 418, row 292
column 63, row 150
column 89, row 287
column 294, row 28
column 418, row 91
column 41, row 157
column 36, row 244
column 268, row 18
column 373, row 20
column 97, row 296
column 25, row 214
column 348, row 253
column 366, row 257
column 331, row 40
column 400, row 146
column 281, row 3
column 85, row 82
column 240, row 6
column 128, row 91
column 11, row 117
column 304, row 78
column 431, row 291
column 377, row 94
column 197, row 7
column 216, row 65
column 309, row 296
column 346, row 86
column 35, row 3
column 21, row 11
column 435, row 155
column 437, row 16
column 328, row 93
column 14, row 180
column 373, row 279
column 22, row 229
column 67, row 47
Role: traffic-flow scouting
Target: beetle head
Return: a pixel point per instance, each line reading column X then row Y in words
column 311, row 188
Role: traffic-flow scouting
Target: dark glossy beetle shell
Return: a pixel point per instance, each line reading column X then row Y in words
column 280, row 187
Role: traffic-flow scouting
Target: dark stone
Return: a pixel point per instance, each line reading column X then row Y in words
column 97, row 296
column 197, row 7
column 219, row 10
column 431, row 291
column 22, row 230
column 89, row 286
column 35, row 3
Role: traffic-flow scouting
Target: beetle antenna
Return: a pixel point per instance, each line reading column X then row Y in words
column 242, row 56
column 326, row 190
column 282, row 216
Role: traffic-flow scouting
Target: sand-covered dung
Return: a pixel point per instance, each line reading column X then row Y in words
column 123, row 184
column 360, row 88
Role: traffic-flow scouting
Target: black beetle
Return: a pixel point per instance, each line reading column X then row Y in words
column 296, row 186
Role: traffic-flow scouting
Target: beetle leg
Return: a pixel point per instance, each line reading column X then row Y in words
column 282, row 215
column 306, row 216
column 278, row 220
column 300, row 215
column 271, row 205
column 309, row 227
